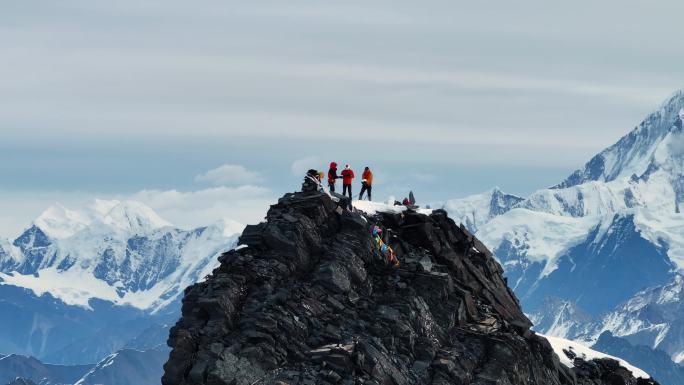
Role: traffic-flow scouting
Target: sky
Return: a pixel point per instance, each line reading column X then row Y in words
column 213, row 109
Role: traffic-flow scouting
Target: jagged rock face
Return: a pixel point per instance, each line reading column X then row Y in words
column 311, row 300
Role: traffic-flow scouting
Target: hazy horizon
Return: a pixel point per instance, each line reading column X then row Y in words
column 142, row 101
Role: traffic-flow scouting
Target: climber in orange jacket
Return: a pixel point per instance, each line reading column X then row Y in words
column 366, row 183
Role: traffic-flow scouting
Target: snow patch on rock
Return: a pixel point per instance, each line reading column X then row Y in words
column 561, row 346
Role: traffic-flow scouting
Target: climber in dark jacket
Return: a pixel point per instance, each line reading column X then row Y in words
column 332, row 176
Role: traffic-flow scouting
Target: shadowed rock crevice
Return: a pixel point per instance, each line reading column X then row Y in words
column 310, row 299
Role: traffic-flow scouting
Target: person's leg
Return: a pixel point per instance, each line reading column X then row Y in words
column 363, row 189
column 348, row 199
column 348, row 192
column 370, row 188
column 331, row 186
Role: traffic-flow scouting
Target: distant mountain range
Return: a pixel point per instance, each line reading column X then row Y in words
column 601, row 250
column 125, row 367
column 16, row 366
column 79, row 285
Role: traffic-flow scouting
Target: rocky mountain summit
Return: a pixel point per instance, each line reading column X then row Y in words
column 308, row 298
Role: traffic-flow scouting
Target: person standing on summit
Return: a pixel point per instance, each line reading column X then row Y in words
column 347, row 176
column 366, row 183
column 332, row 176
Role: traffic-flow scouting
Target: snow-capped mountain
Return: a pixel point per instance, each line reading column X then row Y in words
column 123, row 367
column 654, row 361
column 562, row 318
column 634, row 153
column 476, row 210
column 128, row 367
column 121, row 252
column 653, row 317
column 592, row 244
column 29, row 368
column 78, row 285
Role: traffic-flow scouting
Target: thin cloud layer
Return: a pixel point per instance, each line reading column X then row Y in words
column 301, row 166
column 186, row 209
column 230, row 175
column 244, row 204
column 114, row 97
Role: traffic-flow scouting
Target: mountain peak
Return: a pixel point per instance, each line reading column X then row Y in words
column 312, row 298
column 116, row 251
column 133, row 216
column 58, row 222
column 633, row 153
column 475, row 210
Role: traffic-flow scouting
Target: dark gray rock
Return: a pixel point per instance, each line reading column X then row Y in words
column 311, row 300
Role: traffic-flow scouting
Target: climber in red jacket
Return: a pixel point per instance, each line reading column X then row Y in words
column 347, row 176
column 332, row 176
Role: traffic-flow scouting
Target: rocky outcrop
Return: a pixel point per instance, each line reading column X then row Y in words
column 309, row 299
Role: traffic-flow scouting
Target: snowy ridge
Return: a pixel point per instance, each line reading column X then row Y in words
column 653, row 317
column 121, row 252
column 10, row 255
column 632, row 154
column 476, row 210
column 657, row 190
column 59, row 222
column 127, row 366
column 535, row 236
column 652, row 196
column 370, row 207
column 564, row 319
column 561, row 346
